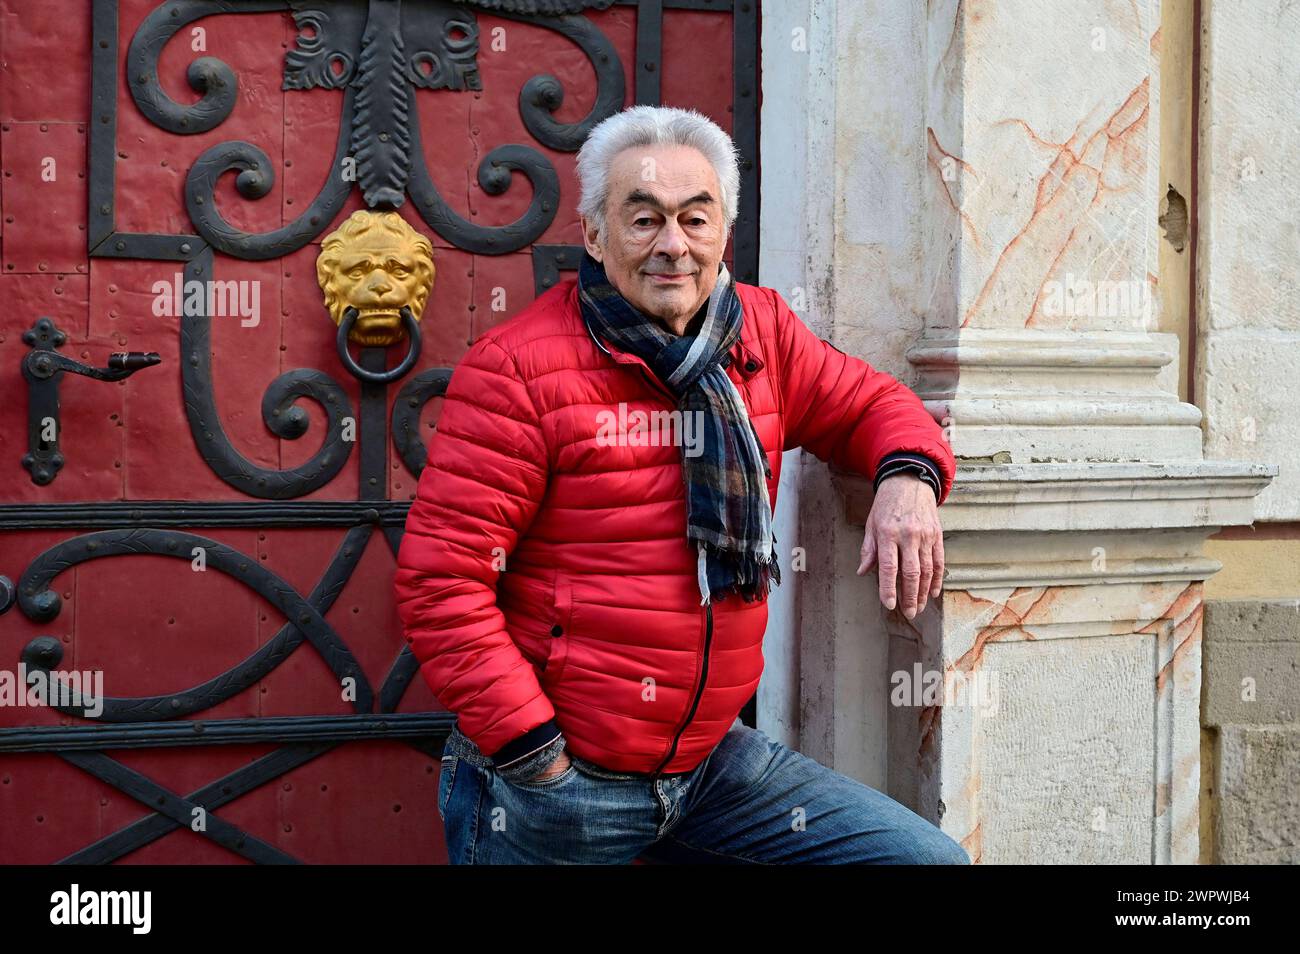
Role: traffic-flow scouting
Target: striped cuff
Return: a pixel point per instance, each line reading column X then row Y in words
column 531, row 753
column 910, row 462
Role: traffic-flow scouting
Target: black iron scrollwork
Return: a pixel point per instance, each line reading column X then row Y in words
column 443, row 42
column 494, row 177
column 381, row 137
column 8, row 594
column 253, row 182
column 279, row 412
column 207, row 75
column 417, row 392
column 321, row 55
column 39, row 601
column 377, row 52
column 536, row 8
column 448, row 58
column 43, row 367
column 542, row 95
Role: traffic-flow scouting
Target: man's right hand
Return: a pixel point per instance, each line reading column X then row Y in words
column 558, row 767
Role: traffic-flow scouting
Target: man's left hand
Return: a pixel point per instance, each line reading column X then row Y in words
column 904, row 538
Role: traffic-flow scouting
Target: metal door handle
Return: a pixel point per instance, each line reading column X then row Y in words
column 42, row 368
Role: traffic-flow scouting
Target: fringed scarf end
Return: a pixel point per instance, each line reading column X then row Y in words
column 753, row 576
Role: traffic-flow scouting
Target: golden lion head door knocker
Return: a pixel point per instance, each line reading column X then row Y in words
column 376, row 273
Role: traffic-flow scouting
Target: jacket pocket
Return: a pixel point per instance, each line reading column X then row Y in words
column 561, row 622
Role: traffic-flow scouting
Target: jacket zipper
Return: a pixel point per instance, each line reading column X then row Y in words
column 699, row 692
column 708, row 614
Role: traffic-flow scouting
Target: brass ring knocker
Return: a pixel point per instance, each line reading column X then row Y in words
column 379, row 377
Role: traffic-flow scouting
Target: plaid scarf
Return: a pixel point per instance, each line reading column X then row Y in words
column 728, row 515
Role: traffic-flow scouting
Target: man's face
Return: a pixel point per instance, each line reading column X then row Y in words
column 664, row 231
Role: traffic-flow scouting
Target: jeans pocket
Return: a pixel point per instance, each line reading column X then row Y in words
column 446, row 779
column 546, row 783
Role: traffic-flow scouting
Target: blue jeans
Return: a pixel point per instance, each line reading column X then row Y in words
column 751, row 801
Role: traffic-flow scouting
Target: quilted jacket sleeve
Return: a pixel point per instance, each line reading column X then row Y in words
column 479, row 491
column 846, row 412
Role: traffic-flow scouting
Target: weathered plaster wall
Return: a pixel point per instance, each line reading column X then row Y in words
column 1249, row 240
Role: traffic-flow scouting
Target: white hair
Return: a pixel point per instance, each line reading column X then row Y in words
column 655, row 126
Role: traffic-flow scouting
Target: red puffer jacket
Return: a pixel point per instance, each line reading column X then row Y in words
column 545, row 582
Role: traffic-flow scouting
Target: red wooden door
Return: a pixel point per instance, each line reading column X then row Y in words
column 209, row 525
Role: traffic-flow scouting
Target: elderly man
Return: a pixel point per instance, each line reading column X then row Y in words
column 585, row 567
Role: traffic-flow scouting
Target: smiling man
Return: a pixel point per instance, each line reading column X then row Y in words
column 593, row 609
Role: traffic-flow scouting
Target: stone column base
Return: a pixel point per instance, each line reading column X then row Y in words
column 1047, row 708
